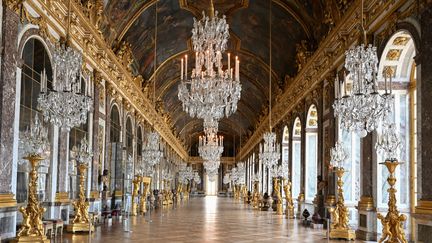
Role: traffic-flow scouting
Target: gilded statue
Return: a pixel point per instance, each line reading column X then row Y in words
column 302, row 54
column 124, row 54
column 288, row 198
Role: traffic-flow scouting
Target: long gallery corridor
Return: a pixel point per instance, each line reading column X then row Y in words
column 207, row 219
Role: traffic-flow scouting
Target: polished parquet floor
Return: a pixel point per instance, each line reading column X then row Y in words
column 209, row 219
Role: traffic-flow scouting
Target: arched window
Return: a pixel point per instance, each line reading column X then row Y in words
column 36, row 60
column 115, row 150
column 398, row 57
column 311, row 171
column 296, row 158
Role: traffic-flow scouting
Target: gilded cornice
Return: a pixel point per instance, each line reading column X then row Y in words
column 328, row 56
column 85, row 36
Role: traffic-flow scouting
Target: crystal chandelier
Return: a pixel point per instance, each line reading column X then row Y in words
column 85, row 154
column 197, row 178
column 211, row 92
column 338, row 155
column 151, row 152
column 210, row 147
column 227, row 178
column 212, row 167
column 362, row 108
column 67, row 105
column 388, row 143
column 34, row 142
column 241, row 173
column 269, row 153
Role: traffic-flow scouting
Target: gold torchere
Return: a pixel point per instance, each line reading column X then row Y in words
column 277, row 189
column 255, row 196
column 81, row 221
column 136, row 185
column 392, row 231
column 289, row 210
column 339, row 228
column 32, row 227
column 146, row 187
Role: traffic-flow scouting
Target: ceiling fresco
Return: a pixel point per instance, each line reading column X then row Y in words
column 293, row 21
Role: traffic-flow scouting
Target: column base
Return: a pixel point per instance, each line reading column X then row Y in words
column 79, row 227
column 33, row 238
column 367, row 219
column 8, row 222
column 347, row 234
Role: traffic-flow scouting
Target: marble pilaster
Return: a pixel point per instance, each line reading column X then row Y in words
column 423, row 210
column 367, row 229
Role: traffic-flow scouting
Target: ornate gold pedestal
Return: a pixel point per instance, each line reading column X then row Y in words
column 136, row 185
column 339, row 228
column 289, row 210
column 277, row 189
column 32, row 227
column 81, row 221
column 392, row 231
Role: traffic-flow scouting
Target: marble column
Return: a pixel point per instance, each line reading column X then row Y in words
column 8, row 68
column 423, row 211
column 96, row 153
column 366, row 206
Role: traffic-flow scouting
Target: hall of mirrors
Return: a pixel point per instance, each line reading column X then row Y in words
column 233, row 121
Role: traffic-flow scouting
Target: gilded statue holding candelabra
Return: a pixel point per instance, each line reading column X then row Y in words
column 393, row 231
column 277, row 190
column 146, row 187
column 33, row 143
column 136, row 185
column 389, row 144
column 32, row 227
column 81, row 221
column 245, row 194
column 289, row 210
column 339, row 229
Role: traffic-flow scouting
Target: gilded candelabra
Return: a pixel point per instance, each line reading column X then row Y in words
column 289, row 210
column 277, row 189
column 179, row 191
column 392, row 231
column 339, row 227
column 186, row 191
column 136, row 186
column 32, row 227
column 81, row 221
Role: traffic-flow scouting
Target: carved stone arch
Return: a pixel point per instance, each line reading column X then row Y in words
column 402, row 26
column 33, row 33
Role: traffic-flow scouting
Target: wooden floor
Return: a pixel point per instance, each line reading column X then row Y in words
column 208, row 219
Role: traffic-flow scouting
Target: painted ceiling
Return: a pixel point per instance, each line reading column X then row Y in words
column 292, row 21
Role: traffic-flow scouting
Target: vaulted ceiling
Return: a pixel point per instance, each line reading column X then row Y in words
column 292, row 21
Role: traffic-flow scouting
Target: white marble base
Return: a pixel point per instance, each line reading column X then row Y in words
column 8, row 221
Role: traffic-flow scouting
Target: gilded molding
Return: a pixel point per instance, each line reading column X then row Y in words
column 7, row 200
column 86, row 36
column 328, row 56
